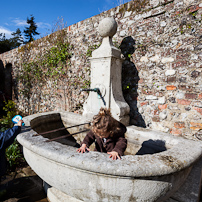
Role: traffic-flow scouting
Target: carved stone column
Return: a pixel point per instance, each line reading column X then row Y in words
column 106, row 68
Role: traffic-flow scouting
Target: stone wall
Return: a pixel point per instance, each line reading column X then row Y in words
column 161, row 41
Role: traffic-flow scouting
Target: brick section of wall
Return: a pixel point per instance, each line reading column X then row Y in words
column 162, row 43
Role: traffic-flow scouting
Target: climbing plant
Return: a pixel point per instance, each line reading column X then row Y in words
column 91, row 48
column 48, row 64
column 10, row 110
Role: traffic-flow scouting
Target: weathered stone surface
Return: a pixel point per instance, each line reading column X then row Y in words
column 170, row 72
column 162, row 100
column 163, row 115
column 195, row 74
column 167, row 60
column 55, row 195
column 106, row 60
column 151, row 97
column 190, row 190
column 199, row 47
column 92, row 176
column 107, row 27
column 172, row 99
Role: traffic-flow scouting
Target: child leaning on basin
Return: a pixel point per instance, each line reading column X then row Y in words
column 108, row 135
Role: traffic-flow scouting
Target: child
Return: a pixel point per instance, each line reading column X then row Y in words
column 108, row 135
column 6, row 139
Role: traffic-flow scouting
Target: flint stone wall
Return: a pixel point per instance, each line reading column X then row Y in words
column 162, row 44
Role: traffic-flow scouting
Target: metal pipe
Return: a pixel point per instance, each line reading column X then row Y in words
column 97, row 90
column 68, row 135
column 61, row 129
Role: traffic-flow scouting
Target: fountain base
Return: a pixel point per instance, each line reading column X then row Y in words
column 55, row 195
column 190, row 190
column 154, row 167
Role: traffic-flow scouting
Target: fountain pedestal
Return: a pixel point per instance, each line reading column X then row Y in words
column 106, row 67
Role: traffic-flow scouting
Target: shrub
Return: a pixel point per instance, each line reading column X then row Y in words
column 13, row 153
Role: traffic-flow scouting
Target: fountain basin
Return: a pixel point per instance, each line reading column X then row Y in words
column 160, row 168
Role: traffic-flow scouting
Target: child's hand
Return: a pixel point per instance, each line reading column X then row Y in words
column 114, row 155
column 83, row 148
column 20, row 122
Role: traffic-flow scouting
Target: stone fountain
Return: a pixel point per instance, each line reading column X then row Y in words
column 155, row 164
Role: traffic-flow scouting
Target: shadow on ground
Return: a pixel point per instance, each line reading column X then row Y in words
column 24, row 186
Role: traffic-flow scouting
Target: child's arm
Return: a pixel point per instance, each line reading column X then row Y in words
column 20, row 122
column 114, row 155
column 7, row 137
column 120, row 146
column 83, row 148
column 119, row 149
column 121, row 141
column 88, row 140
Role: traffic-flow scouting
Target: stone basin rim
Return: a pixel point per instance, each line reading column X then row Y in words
column 163, row 163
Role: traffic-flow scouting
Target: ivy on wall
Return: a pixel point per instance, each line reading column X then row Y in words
column 46, row 65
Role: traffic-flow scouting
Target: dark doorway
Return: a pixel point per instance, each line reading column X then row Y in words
column 5, row 85
column 8, row 81
column 2, row 87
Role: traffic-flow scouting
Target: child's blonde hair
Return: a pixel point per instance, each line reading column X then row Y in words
column 103, row 123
